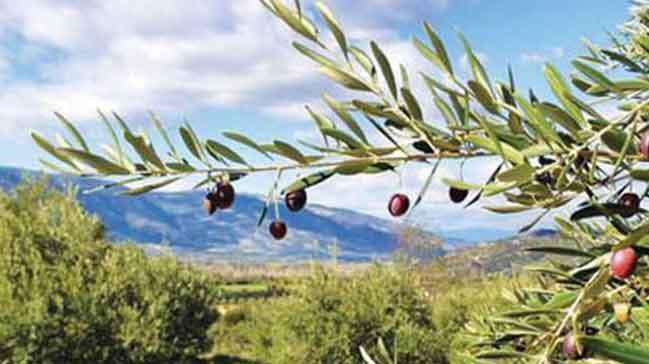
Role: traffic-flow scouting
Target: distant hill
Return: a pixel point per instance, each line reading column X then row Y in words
column 177, row 219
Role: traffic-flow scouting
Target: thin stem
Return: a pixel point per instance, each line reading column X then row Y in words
column 422, row 157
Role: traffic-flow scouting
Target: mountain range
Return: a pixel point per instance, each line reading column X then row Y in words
column 177, row 221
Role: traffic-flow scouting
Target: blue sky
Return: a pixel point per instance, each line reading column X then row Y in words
column 229, row 65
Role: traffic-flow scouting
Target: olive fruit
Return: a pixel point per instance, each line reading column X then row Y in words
column 457, row 195
column 644, row 145
column 623, row 263
column 209, row 203
column 224, row 195
column 295, row 201
column 278, row 229
column 571, row 348
column 544, row 161
column 545, row 178
column 631, row 202
column 399, row 205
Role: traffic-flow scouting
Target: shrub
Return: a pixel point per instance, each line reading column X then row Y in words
column 329, row 318
column 67, row 296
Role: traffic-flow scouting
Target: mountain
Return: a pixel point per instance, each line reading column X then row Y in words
column 473, row 236
column 176, row 220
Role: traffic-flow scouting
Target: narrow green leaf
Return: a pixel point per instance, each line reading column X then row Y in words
column 315, row 56
column 429, row 54
column 623, row 353
column 334, row 26
column 426, row 186
column 343, row 137
column 364, row 167
column 345, row 79
column 560, row 89
column 262, row 215
column 100, row 164
column 73, row 130
column 447, row 112
column 477, row 68
column 557, row 114
column 334, row 71
column 531, row 225
column 54, row 168
column 640, row 174
column 346, row 117
column 413, row 105
column 290, row 152
column 164, row 134
column 192, row 143
column 521, row 173
column 52, row 150
column 121, row 122
column 508, row 152
column 364, row 60
column 321, row 121
column 386, row 69
column 509, row 209
column 150, row 187
column 144, row 149
column 559, row 250
column 439, row 48
column 462, row 185
column 483, row 96
column 295, row 21
column 242, row 139
column 595, row 75
column 116, row 143
column 223, row 150
column 538, row 120
column 308, row 181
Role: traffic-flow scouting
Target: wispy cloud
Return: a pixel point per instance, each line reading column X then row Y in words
column 169, row 55
column 542, row 57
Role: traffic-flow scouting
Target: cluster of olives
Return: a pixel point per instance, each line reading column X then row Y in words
column 222, row 196
column 622, row 266
column 295, row 201
column 399, row 204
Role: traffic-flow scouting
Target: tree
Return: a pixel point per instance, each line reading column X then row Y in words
column 551, row 152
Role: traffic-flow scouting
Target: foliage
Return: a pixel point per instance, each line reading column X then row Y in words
column 329, row 317
column 552, row 152
column 68, row 297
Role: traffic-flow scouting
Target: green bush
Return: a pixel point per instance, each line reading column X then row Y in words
column 68, row 297
column 329, row 318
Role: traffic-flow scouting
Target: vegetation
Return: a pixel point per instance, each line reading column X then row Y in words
column 68, row 297
column 552, row 152
column 385, row 308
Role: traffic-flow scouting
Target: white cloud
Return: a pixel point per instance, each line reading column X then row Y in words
column 542, row 57
column 169, row 55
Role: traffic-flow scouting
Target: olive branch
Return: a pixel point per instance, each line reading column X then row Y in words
column 551, row 152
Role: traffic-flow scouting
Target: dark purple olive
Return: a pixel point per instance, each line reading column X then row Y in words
column 224, row 195
column 278, row 230
column 295, row 201
column 631, row 203
column 458, row 195
column 399, row 205
column 209, row 203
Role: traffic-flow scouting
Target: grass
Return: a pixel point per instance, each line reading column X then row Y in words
column 243, row 288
